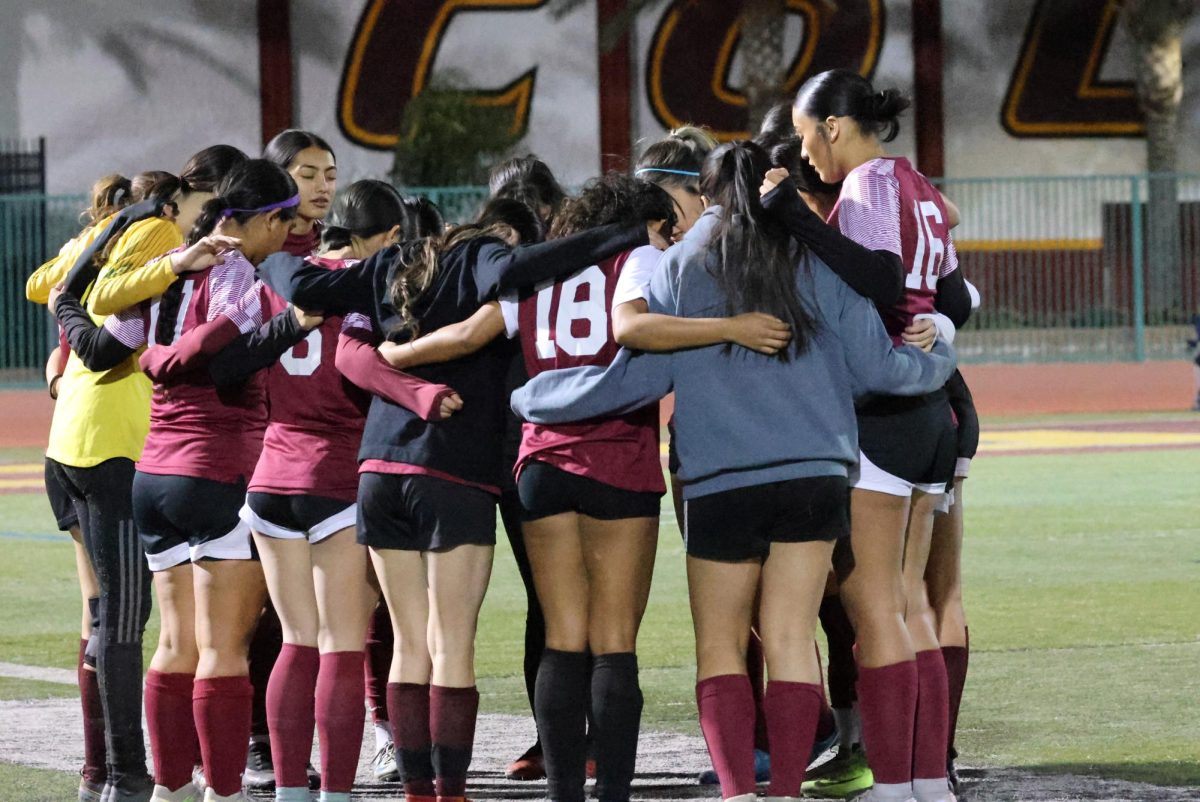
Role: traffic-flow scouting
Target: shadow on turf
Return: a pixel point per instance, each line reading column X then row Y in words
column 1080, row 782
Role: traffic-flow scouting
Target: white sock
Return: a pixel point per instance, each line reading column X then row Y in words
column 932, row 790
column 383, row 734
column 892, row 792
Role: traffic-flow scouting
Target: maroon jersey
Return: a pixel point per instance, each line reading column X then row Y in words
column 194, row 429
column 886, row 205
column 316, row 416
column 567, row 324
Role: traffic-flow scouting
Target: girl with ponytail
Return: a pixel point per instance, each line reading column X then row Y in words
column 765, row 502
column 907, row 445
column 191, row 480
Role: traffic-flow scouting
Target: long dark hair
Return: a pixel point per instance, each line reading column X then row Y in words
column 209, row 167
column 417, row 262
column 251, row 185
column 366, row 208
column 422, row 218
column 284, row 146
column 845, row 93
column 529, row 180
column 613, row 198
column 756, row 259
column 778, row 138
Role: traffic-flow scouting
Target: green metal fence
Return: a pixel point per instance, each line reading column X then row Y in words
column 1092, row 268
column 1088, row 268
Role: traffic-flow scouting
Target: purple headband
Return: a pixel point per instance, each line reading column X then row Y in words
column 270, row 207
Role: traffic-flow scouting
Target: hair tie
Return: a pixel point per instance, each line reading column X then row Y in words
column 116, row 198
column 270, row 207
column 641, row 170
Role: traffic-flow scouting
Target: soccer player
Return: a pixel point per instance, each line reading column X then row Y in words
column 907, row 444
column 427, row 490
column 190, row 484
column 108, row 196
column 311, row 163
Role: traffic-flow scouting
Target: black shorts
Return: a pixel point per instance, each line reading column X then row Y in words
column 906, row 444
column 61, row 503
column 297, row 517
column 413, row 512
column 672, row 451
column 546, row 490
column 186, row 519
column 741, row 524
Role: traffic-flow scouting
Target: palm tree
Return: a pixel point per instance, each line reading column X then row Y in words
column 1156, row 30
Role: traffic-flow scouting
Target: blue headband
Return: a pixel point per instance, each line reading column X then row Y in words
column 270, row 207
column 691, row 173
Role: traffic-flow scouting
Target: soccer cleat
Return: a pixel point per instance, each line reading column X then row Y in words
column 529, row 766
column 89, row 791
column 314, row 777
column 129, row 789
column 212, row 796
column 762, row 770
column 840, row 777
column 188, row 793
column 871, row 796
column 822, row 745
column 384, row 764
column 260, row 771
column 198, row 778
column 742, row 798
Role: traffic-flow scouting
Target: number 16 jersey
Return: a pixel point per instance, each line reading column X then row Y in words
column 568, row 323
column 886, row 205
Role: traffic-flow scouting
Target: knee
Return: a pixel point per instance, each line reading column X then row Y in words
column 612, row 640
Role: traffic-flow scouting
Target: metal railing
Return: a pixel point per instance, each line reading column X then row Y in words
column 1090, row 268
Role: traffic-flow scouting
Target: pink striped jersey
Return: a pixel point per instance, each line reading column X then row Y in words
column 315, row 415
column 886, row 205
column 568, row 323
column 196, row 429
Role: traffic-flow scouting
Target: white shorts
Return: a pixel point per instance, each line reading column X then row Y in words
column 335, row 523
column 233, row 545
column 869, row 476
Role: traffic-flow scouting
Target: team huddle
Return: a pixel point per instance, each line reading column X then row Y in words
column 294, row 410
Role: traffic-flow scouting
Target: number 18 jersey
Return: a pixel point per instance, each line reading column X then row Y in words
column 886, row 205
column 568, row 323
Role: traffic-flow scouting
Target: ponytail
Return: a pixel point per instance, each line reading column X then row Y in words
column 366, row 208
column 756, row 259
column 254, row 187
column 845, row 93
column 418, row 261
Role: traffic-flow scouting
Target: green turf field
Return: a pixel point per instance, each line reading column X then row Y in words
column 1082, row 591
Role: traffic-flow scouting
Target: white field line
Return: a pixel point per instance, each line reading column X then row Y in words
column 60, row 676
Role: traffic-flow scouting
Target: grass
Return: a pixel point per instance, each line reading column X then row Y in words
column 1082, row 582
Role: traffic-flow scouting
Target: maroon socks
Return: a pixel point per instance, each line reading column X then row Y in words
column 756, row 670
column 956, row 659
column 172, row 728
column 264, row 650
column 95, row 756
column 380, row 642
column 933, row 718
column 452, row 714
column 888, row 706
column 339, row 718
column 726, row 705
column 290, row 716
column 221, row 706
column 792, row 712
column 408, row 710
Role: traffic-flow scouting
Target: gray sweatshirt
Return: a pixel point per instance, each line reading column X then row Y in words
column 743, row 418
